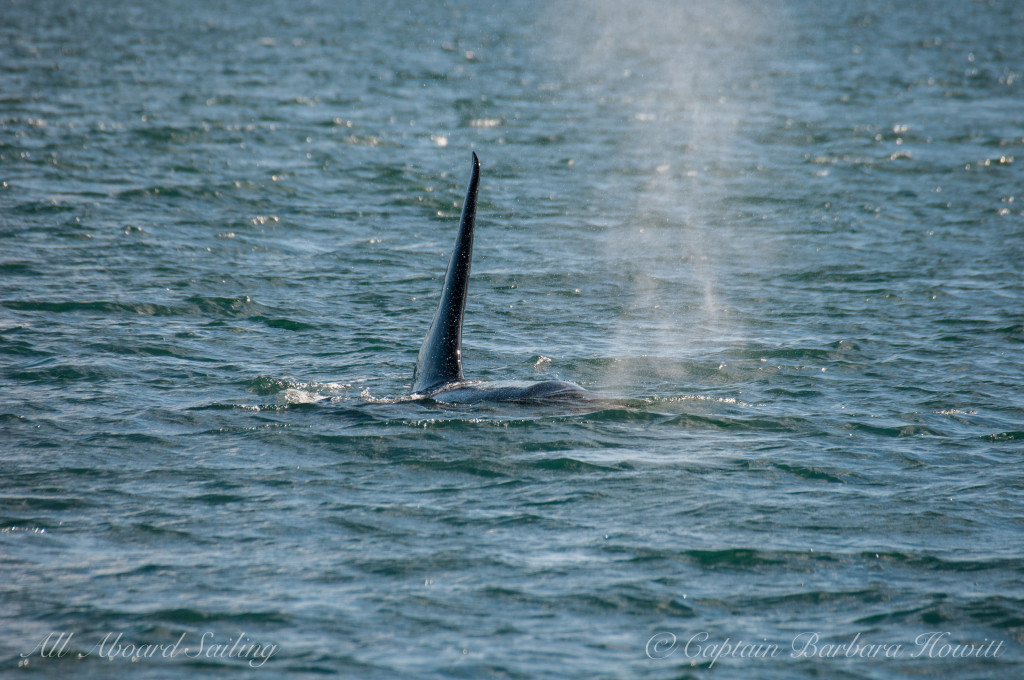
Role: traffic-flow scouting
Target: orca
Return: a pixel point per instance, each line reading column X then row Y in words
column 438, row 374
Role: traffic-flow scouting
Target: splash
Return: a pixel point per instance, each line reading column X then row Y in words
column 292, row 391
column 366, row 396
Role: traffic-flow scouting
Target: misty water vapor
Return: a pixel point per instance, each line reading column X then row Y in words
column 670, row 77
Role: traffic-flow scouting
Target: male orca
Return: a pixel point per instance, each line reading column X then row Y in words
column 438, row 373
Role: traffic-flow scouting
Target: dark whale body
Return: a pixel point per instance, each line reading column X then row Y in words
column 522, row 391
column 438, row 373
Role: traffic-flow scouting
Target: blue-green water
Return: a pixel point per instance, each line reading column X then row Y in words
column 788, row 235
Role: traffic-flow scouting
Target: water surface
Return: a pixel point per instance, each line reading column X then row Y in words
column 787, row 236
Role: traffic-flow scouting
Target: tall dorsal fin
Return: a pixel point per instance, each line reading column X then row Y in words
column 440, row 358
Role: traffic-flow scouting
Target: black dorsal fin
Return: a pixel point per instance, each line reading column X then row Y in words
column 440, row 358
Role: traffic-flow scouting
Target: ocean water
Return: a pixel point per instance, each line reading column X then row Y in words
column 785, row 238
